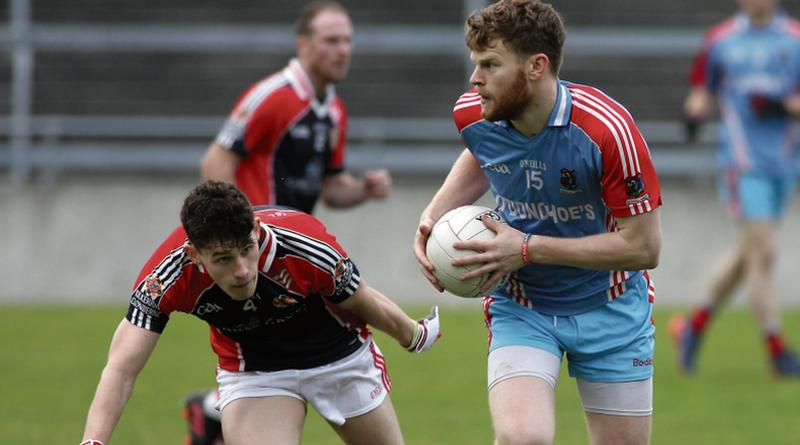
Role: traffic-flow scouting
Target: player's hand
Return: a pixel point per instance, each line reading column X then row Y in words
column 695, row 110
column 378, row 183
column 426, row 332
column 764, row 106
column 500, row 256
column 420, row 242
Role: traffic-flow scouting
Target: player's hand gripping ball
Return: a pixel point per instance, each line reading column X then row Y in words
column 460, row 224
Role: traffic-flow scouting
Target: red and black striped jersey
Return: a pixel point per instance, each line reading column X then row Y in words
column 287, row 139
column 291, row 322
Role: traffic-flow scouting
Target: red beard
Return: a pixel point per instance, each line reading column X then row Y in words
column 511, row 102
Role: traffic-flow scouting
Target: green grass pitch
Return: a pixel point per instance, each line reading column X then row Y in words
column 51, row 358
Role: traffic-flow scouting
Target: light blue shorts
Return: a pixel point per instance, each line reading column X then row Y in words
column 613, row 343
column 756, row 197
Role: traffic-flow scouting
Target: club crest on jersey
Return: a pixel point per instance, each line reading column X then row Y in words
column 153, row 287
column 634, row 185
column 342, row 274
column 283, row 301
column 569, row 182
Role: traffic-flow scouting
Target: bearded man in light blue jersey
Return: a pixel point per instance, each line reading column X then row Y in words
column 572, row 176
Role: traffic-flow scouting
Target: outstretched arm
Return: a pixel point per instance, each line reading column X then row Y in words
column 130, row 349
column 342, row 190
column 385, row 315
column 696, row 108
column 698, row 103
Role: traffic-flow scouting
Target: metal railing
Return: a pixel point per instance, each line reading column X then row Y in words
column 174, row 143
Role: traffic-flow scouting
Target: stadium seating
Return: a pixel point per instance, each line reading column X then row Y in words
column 81, row 83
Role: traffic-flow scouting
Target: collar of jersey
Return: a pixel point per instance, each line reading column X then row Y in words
column 559, row 115
column 266, row 242
column 299, row 80
column 562, row 109
column 778, row 20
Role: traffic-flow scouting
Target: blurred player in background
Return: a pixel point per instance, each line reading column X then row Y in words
column 284, row 144
column 572, row 176
column 749, row 64
column 288, row 314
column 284, row 141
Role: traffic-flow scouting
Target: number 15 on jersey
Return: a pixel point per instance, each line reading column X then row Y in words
column 534, row 179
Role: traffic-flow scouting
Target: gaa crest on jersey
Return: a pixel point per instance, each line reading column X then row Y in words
column 343, row 273
column 497, row 168
column 153, row 286
column 634, row 185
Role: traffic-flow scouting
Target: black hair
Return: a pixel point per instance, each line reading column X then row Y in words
column 217, row 212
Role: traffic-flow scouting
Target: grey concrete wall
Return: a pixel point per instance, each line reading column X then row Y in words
column 84, row 240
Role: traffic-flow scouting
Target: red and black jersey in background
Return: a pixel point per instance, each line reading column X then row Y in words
column 287, row 139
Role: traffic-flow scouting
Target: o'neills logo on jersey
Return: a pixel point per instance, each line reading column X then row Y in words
column 153, row 287
column 376, row 391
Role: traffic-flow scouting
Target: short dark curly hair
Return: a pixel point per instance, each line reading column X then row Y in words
column 217, row 212
column 527, row 27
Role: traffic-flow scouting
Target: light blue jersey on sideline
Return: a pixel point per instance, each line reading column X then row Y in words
column 739, row 61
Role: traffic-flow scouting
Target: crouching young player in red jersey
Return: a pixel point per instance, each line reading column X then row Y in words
column 288, row 314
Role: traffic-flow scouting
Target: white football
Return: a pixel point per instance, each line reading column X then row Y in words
column 460, row 224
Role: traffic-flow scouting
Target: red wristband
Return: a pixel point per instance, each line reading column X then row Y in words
column 525, row 239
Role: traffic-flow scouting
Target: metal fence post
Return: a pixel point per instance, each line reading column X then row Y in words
column 21, row 90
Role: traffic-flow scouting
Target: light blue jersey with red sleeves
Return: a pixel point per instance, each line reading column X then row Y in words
column 586, row 168
column 739, row 61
